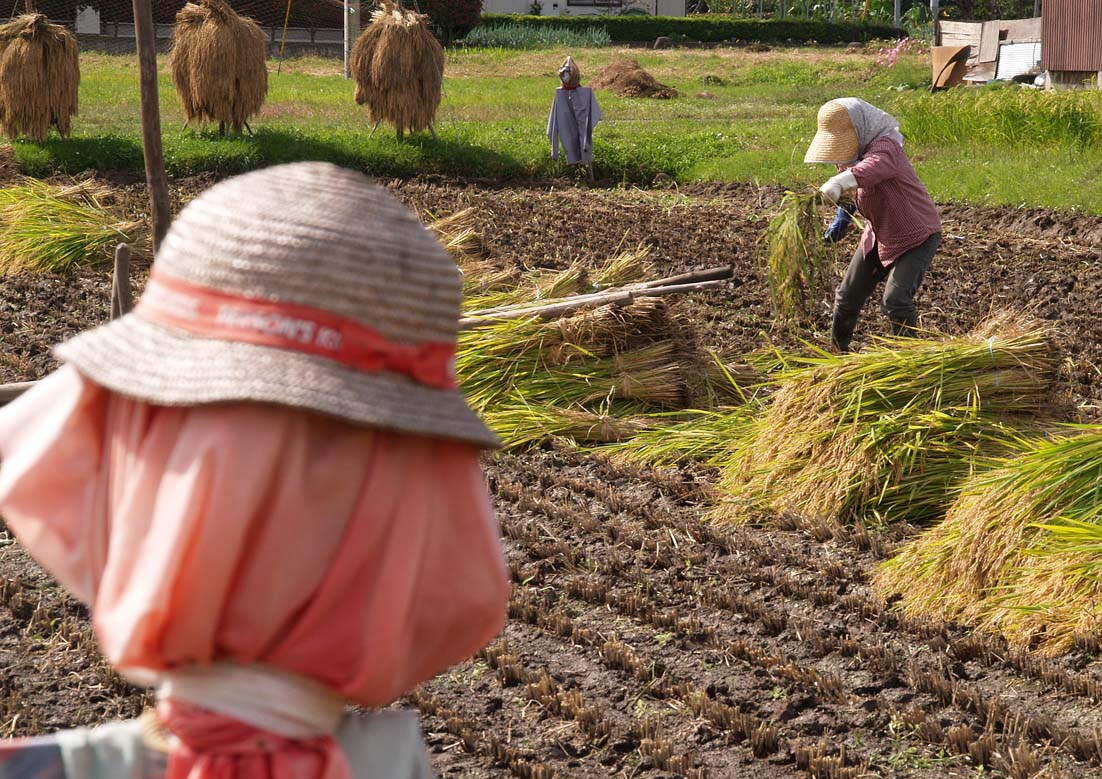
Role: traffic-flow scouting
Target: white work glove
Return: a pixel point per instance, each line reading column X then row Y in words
column 833, row 189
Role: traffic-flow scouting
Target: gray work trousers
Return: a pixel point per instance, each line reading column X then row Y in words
column 901, row 281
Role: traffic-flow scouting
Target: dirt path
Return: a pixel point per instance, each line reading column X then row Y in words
column 644, row 641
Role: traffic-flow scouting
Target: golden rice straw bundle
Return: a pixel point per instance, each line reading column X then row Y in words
column 39, row 77
column 218, row 65
column 461, row 236
column 1020, row 551
column 523, row 425
column 797, row 263
column 54, row 229
column 625, row 268
column 398, row 66
column 885, row 434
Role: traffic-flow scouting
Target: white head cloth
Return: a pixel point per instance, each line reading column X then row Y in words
column 870, row 123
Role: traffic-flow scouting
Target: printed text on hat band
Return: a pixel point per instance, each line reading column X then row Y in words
column 226, row 316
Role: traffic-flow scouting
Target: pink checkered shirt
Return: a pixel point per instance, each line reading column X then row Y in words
column 898, row 208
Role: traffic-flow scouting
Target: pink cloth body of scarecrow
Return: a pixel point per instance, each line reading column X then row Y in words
column 243, row 543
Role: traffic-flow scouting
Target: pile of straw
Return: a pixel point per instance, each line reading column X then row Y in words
column 583, row 376
column 55, row 229
column 885, row 434
column 218, row 65
column 398, row 66
column 39, row 77
column 1020, row 551
column 797, row 263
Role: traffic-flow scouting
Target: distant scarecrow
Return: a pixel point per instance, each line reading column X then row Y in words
column 574, row 114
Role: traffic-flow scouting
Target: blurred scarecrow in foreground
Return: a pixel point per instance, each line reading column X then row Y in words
column 265, row 484
column 574, row 114
column 904, row 228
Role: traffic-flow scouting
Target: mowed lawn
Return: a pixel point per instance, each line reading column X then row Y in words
column 740, row 116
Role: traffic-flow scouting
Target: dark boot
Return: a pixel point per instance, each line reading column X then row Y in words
column 905, row 327
column 841, row 331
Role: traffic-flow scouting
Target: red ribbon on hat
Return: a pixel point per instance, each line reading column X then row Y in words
column 225, row 316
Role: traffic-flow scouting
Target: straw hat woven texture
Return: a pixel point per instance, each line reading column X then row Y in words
column 310, row 234
column 836, row 140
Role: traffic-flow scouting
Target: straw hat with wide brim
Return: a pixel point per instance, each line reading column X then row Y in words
column 312, row 237
column 836, row 139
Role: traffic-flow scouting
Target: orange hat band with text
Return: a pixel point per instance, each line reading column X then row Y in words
column 225, row 316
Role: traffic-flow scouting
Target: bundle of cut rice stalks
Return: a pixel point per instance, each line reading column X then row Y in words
column 582, row 376
column 218, row 65
column 398, row 66
column 623, row 268
column 39, row 77
column 886, row 434
column 54, row 229
column 460, row 235
column 1020, row 551
column 797, row 262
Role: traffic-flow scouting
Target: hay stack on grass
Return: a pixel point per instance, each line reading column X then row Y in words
column 1020, row 552
column 627, row 79
column 55, row 229
column 39, row 77
column 886, row 434
column 218, row 65
column 398, row 66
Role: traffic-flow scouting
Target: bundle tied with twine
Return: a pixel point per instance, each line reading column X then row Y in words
column 398, row 66
column 885, row 434
column 59, row 228
column 39, row 77
column 218, row 64
column 1020, row 551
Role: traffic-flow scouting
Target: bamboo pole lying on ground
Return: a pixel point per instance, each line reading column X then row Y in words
column 710, row 274
column 621, row 297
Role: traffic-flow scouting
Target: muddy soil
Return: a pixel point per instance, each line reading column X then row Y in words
column 644, row 641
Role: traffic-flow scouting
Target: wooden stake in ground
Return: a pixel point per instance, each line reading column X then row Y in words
column 155, row 177
column 121, row 298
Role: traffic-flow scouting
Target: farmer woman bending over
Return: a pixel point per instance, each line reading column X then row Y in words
column 265, row 483
column 903, row 229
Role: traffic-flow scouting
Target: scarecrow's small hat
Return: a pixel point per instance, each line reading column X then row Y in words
column 836, row 139
column 569, row 73
column 303, row 285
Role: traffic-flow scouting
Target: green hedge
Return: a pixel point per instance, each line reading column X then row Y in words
column 709, row 29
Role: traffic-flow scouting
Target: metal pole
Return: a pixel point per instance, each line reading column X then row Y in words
column 935, row 12
column 351, row 32
column 155, row 178
column 896, row 14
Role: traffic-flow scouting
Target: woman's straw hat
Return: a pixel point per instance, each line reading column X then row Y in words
column 836, row 140
column 303, row 285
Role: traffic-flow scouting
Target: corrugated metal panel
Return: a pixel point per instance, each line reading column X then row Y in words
column 1018, row 58
column 1071, row 34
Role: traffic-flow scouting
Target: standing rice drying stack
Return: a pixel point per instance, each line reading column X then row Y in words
column 218, row 64
column 39, row 77
column 398, row 66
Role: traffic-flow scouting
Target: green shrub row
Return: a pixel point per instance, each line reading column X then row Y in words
column 708, row 29
column 526, row 36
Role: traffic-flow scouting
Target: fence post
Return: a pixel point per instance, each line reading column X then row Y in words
column 121, row 298
column 151, row 120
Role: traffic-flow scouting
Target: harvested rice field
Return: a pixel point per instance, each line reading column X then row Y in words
column 645, row 640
